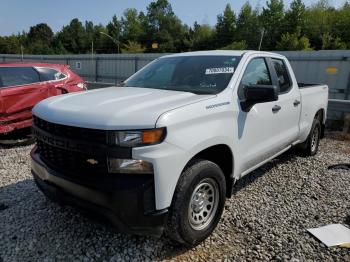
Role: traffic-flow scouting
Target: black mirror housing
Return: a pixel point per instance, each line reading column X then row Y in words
column 255, row 94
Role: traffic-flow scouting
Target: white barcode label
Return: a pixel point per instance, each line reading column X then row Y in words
column 219, row 70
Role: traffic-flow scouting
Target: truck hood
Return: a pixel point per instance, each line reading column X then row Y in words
column 114, row 108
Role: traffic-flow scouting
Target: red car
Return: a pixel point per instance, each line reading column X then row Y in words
column 22, row 85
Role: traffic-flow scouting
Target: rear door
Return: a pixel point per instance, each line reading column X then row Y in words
column 20, row 90
column 289, row 101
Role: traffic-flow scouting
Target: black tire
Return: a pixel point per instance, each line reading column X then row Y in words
column 310, row 146
column 198, row 176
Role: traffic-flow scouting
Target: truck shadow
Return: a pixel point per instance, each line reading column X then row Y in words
column 40, row 228
column 256, row 174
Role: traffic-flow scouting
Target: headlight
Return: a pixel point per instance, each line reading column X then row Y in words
column 129, row 166
column 137, row 138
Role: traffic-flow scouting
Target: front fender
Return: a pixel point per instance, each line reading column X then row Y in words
column 187, row 135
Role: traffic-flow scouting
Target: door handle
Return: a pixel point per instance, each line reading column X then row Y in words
column 276, row 108
column 296, row 102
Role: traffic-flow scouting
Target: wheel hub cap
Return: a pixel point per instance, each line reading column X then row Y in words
column 203, row 204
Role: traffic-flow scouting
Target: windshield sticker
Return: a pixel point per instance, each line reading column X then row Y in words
column 219, row 70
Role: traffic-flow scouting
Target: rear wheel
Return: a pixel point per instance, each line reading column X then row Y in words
column 197, row 204
column 310, row 146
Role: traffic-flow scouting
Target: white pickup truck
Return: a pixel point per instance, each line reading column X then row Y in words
column 161, row 153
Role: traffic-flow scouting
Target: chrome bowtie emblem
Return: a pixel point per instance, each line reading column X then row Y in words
column 92, row 161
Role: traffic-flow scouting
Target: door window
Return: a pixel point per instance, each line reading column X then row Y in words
column 16, row 76
column 282, row 75
column 48, row 74
column 256, row 73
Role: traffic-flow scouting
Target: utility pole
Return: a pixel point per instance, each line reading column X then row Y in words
column 22, row 56
column 261, row 38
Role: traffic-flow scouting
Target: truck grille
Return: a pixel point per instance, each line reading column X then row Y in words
column 70, row 161
column 91, row 135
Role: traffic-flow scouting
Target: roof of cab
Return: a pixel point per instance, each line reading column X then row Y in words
column 220, row 52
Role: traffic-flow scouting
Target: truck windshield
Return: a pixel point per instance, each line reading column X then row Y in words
column 195, row 74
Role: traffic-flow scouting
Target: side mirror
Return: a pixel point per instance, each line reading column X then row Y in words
column 255, row 94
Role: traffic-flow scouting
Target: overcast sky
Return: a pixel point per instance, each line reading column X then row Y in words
column 19, row 15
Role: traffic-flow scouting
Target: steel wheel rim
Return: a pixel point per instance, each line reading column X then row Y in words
column 314, row 139
column 203, row 204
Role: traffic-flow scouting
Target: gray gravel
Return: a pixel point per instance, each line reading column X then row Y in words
column 265, row 220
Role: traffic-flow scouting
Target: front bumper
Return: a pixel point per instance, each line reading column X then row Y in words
column 125, row 200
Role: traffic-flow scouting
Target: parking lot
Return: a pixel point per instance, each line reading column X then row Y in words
column 266, row 219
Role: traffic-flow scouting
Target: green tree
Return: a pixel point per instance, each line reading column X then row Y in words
column 295, row 17
column 201, row 37
column 102, row 44
column 39, row 39
column 163, row 27
column 248, row 26
column 225, row 27
column 318, row 25
column 341, row 24
column 272, row 18
column 73, row 37
column 113, row 35
column 40, row 32
column 293, row 42
column 237, row 45
column 13, row 44
column 133, row 47
column 131, row 25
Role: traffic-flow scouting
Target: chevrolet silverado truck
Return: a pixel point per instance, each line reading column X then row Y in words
column 162, row 152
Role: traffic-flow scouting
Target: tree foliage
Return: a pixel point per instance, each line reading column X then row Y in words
column 293, row 42
column 226, row 27
column 294, row 27
column 272, row 18
column 248, row 26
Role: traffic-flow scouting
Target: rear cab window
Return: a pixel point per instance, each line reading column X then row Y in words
column 17, row 76
column 283, row 78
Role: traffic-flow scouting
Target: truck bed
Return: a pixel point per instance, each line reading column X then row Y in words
column 304, row 85
column 312, row 99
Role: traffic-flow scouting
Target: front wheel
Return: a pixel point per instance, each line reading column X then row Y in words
column 197, row 204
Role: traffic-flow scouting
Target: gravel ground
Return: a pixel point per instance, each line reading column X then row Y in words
column 265, row 220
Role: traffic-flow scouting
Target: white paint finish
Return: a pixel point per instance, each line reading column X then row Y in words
column 195, row 122
column 261, row 132
column 113, row 108
column 312, row 99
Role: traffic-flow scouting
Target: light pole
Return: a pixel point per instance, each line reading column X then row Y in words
column 114, row 40
column 261, row 37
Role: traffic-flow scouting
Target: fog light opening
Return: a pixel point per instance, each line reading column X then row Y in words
column 116, row 165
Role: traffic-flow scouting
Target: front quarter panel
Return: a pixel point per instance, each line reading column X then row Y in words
column 190, row 129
